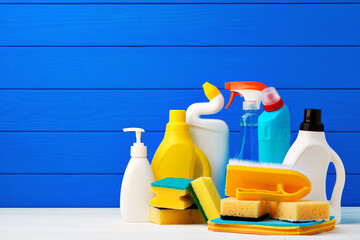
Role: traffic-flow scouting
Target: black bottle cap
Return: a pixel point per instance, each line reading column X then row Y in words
column 312, row 121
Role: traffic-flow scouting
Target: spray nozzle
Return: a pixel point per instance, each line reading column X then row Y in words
column 251, row 91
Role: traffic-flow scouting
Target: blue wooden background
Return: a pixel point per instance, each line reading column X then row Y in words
column 73, row 73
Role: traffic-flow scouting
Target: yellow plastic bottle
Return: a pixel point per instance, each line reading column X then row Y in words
column 177, row 154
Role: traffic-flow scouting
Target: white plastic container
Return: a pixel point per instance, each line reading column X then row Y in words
column 211, row 135
column 312, row 154
column 135, row 188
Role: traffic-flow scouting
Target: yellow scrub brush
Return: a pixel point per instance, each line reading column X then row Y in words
column 265, row 181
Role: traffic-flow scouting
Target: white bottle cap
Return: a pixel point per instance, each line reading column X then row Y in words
column 250, row 105
column 138, row 149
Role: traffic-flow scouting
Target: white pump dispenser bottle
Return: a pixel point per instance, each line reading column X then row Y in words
column 135, row 188
column 311, row 153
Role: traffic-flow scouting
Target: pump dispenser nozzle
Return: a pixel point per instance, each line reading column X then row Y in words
column 138, row 149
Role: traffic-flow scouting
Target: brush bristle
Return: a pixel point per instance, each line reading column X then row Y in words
column 238, row 162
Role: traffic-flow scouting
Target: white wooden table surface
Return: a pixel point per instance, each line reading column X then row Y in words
column 106, row 224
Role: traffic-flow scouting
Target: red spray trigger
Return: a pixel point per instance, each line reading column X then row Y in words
column 237, row 87
column 232, row 95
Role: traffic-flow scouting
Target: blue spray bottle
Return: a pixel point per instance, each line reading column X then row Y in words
column 273, row 128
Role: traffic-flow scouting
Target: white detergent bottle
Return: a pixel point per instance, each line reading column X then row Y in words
column 135, row 188
column 311, row 153
column 211, row 135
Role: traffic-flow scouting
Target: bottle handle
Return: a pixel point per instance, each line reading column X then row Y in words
column 335, row 200
column 203, row 161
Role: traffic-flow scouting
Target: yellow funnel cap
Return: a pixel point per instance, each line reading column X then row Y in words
column 210, row 90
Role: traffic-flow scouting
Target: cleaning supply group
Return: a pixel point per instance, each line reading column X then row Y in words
column 267, row 188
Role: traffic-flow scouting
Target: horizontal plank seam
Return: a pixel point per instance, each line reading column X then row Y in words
column 177, row 46
column 161, row 89
column 101, row 174
column 177, row 3
column 104, row 174
column 114, row 131
column 62, row 174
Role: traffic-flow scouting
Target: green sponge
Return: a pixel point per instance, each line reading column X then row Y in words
column 206, row 197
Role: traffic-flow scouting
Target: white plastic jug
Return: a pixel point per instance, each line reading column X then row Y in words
column 311, row 153
column 211, row 135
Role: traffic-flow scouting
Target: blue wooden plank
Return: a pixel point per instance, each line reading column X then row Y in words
column 351, row 196
column 109, row 152
column 179, row 24
column 175, row 67
column 98, row 190
column 111, row 110
column 68, row 152
column 178, row 1
column 60, row 190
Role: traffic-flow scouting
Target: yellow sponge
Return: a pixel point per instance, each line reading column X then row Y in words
column 300, row 211
column 232, row 209
column 171, row 216
column 206, row 197
column 172, row 193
